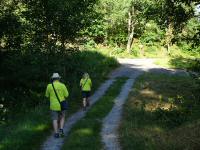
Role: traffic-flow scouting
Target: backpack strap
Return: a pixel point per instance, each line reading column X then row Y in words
column 84, row 83
column 55, row 92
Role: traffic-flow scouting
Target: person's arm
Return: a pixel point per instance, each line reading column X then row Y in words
column 47, row 95
column 81, row 82
column 66, row 93
column 90, row 83
column 47, row 92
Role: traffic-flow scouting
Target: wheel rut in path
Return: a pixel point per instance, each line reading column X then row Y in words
column 112, row 120
column 56, row 144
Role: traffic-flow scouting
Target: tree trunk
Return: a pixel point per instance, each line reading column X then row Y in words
column 130, row 30
column 169, row 35
column 130, row 40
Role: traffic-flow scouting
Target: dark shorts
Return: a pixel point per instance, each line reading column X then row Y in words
column 55, row 115
column 85, row 94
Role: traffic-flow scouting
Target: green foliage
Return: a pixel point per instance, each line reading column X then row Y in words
column 117, row 51
column 96, row 31
column 187, row 63
column 135, row 51
column 189, row 37
column 42, row 23
column 152, row 33
column 10, row 30
column 51, row 24
column 90, row 44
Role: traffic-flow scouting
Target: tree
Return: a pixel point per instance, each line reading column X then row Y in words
column 121, row 18
column 42, row 23
column 136, row 17
column 10, row 26
column 173, row 15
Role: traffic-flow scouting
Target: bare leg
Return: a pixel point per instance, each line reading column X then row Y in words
column 55, row 126
column 84, row 102
column 62, row 121
column 87, row 102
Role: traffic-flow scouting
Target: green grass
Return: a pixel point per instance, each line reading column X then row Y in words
column 26, row 131
column 154, row 51
column 162, row 112
column 86, row 133
column 179, row 62
column 28, row 121
column 180, row 59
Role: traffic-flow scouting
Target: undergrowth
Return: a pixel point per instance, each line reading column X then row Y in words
column 162, row 112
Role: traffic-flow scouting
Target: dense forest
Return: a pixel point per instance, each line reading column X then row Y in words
column 51, row 25
column 38, row 37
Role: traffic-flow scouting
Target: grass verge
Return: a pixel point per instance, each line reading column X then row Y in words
column 26, row 131
column 86, row 133
column 162, row 112
column 179, row 62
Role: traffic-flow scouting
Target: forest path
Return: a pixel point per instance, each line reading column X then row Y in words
column 56, row 144
column 130, row 68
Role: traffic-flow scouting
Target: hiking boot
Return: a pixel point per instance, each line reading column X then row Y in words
column 56, row 135
column 61, row 133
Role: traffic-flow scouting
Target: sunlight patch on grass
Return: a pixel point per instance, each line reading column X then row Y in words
column 85, row 131
column 41, row 127
column 154, row 106
column 164, row 62
column 149, row 100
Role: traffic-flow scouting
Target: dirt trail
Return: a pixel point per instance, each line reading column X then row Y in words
column 130, row 68
column 55, row 144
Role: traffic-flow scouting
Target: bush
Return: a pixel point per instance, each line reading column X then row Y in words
column 90, row 43
column 152, row 33
column 135, row 51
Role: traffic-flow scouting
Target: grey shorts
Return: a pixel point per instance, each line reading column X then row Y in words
column 55, row 115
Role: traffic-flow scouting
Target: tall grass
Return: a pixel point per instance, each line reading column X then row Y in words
column 162, row 112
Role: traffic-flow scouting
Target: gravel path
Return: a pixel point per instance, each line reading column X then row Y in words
column 130, row 68
column 55, row 144
column 112, row 120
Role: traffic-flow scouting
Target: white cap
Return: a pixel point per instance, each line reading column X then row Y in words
column 55, row 75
